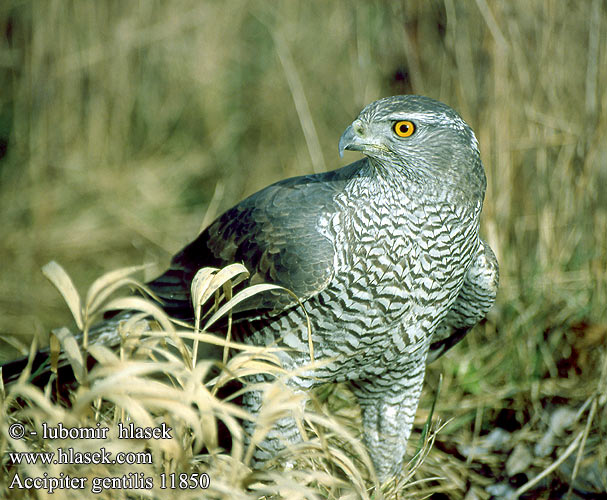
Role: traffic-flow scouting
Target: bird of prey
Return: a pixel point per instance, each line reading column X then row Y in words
column 384, row 255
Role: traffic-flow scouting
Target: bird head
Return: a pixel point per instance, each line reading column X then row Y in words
column 417, row 139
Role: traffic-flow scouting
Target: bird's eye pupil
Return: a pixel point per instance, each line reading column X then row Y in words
column 404, row 128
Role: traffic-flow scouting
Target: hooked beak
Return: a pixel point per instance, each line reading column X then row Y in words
column 350, row 140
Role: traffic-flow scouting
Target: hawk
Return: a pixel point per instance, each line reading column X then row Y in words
column 384, row 254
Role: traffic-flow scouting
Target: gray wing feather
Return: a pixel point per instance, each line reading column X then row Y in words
column 274, row 233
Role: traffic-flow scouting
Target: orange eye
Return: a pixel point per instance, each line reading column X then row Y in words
column 404, row 128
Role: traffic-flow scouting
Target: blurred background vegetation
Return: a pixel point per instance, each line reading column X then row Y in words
column 125, row 127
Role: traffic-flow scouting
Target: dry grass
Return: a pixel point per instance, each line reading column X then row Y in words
column 124, row 126
column 151, row 377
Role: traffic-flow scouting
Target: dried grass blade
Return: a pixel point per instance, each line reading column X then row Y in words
column 72, row 352
column 94, row 302
column 109, row 279
column 58, row 277
column 240, row 297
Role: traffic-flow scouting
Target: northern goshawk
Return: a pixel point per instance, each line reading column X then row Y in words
column 384, row 254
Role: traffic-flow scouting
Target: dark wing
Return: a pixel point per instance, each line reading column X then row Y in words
column 274, row 233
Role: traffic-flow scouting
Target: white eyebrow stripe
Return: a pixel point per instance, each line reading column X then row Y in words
column 409, row 116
